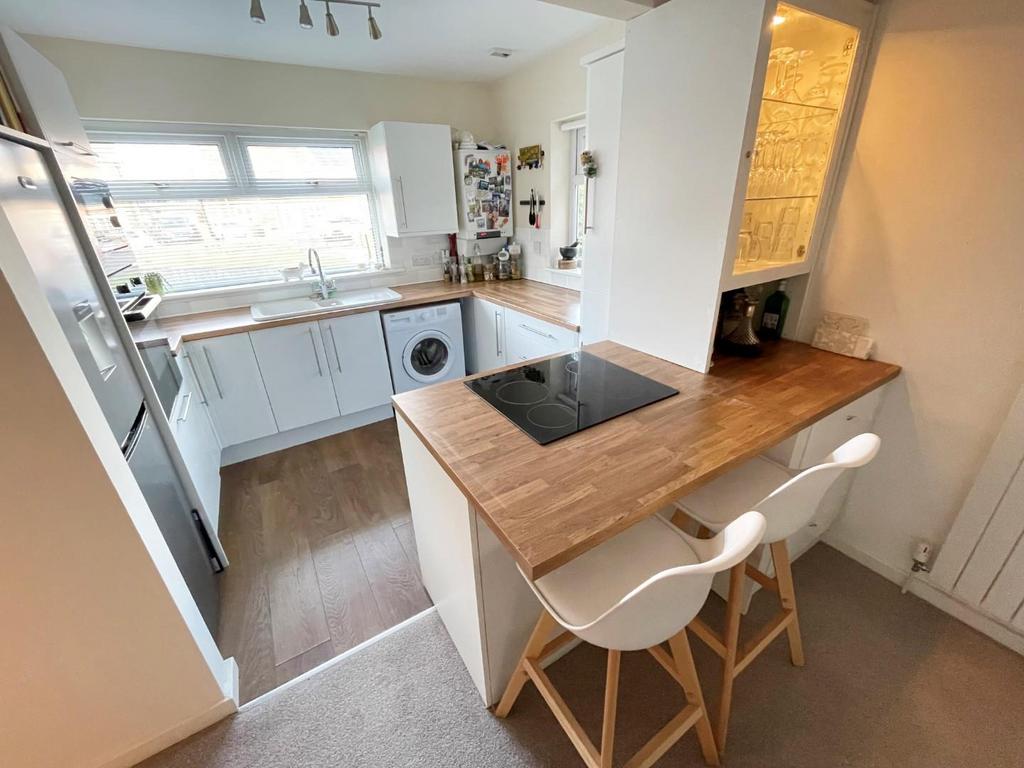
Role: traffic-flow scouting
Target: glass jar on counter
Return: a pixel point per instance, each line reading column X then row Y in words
column 504, row 265
column 515, row 257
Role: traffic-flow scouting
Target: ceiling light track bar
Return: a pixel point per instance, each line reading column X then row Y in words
column 351, row 2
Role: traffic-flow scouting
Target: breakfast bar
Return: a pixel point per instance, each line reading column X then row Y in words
column 487, row 499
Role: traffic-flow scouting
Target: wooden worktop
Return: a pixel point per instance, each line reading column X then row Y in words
column 548, row 504
column 560, row 306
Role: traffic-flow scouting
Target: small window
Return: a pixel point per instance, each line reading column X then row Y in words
column 282, row 162
column 159, row 162
column 577, row 186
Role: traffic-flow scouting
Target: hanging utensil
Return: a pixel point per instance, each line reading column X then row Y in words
column 533, row 208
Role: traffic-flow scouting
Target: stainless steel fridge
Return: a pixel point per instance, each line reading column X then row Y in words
column 30, row 202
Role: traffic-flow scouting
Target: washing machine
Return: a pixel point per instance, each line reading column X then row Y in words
column 424, row 345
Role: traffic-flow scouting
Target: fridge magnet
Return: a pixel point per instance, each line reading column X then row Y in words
column 531, row 157
column 485, row 206
column 504, row 163
column 482, row 184
column 508, row 179
column 481, row 223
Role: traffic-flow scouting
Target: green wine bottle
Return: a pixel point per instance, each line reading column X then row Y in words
column 774, row 316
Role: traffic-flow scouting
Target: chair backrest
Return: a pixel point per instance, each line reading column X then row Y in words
column 661, row 606
column 792, row 505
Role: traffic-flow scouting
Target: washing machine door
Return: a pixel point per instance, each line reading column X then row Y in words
column 428, row 357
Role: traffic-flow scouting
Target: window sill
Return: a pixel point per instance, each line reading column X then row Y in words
column 578, row 272
column 229, row 290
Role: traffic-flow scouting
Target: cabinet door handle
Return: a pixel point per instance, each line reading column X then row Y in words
column 401, row 194
column 187, row 399
column 199, row 382
column 497, row 332
column 316, row 355
column 334, row 343
column 213, row 373
column 539, row 333
column 79, row 148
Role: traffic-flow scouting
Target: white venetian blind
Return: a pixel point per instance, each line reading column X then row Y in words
column 224, row 209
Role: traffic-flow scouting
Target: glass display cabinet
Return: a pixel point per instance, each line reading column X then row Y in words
column 806, row 88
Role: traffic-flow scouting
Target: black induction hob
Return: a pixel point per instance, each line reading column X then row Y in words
column 554, row 398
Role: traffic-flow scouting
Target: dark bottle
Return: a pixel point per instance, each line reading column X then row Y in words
column 774, row 316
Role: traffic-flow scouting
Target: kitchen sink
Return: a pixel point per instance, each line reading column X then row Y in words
column 307, row 305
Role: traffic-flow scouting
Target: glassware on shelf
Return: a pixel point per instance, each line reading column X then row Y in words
column 762, row 241
column 775, row 78
column 746, row 237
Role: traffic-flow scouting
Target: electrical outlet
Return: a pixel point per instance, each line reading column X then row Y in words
column 426, row 259
column 536, row 247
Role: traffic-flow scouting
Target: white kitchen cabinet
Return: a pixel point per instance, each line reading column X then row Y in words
column 227, row 370
column 483, row 323
column 47, row 107
column 358, row 361
column 193, row 431
column 295, row 372
column 529, row 338
column 414, row 178
column 760, row 106
column 604, row 113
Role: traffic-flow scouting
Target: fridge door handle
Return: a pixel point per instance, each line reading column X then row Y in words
column 131, row 442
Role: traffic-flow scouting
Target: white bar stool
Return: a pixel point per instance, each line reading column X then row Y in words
column 631, row 593
column 788, row 503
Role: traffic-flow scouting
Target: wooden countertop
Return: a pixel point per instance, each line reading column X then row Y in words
column 549, row 504
column 560, row 306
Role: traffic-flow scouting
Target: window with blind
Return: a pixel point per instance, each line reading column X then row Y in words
column 227, row 208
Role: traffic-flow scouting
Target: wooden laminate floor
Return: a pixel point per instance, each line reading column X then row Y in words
column 322, row 554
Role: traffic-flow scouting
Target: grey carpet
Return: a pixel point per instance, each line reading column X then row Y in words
column 889, row 681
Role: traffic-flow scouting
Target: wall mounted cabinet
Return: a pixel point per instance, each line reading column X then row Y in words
column 414, row 178
column 749, row 136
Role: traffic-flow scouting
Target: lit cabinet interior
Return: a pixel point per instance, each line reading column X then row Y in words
column 806, row 84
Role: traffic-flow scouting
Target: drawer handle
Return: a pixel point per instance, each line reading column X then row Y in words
column 187, row 399
column 539, row 333
column 334, row 343
column 199, row 382
column 213, row 373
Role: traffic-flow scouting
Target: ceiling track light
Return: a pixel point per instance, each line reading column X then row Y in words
column 306, row 18
column 256, row 12
column 375, row 33
column 332, row 25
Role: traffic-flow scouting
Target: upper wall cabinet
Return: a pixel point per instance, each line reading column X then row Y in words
column 745, row 145
column 44, row 100
column 414, row 177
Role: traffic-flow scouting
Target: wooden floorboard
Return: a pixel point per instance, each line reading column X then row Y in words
column 322, row 554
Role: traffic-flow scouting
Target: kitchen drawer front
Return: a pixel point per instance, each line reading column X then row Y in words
column 812, row 445
column 529, row 338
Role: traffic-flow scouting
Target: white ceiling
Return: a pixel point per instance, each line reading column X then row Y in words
column 447, row 39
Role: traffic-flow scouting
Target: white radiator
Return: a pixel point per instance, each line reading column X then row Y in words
column 982, row 561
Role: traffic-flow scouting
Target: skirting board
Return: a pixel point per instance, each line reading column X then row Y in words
column 172, row 736
column 271, row 443
column 924, row 589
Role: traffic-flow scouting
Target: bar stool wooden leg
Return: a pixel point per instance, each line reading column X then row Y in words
column 787, row 596
column 534, row 646
column 732, row 641
column 683, row 657
column 611, row 699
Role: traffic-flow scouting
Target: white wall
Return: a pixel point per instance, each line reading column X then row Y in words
column 927, row 244
column 113, row 81
column 528, row 103
column 99, row 662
